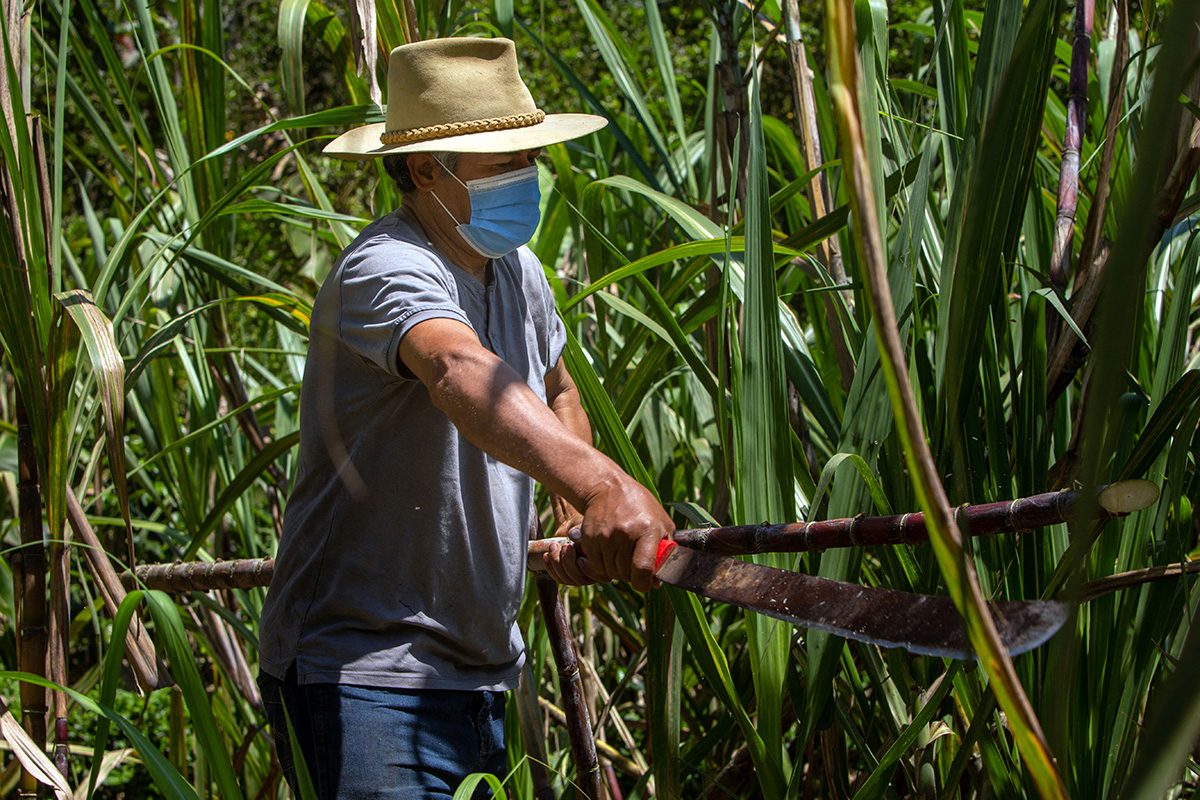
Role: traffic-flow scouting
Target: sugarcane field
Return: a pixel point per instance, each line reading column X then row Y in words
column 678, row 399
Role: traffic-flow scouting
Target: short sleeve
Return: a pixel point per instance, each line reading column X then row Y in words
column 387, row 287
column 557, row 332
column 550, row 325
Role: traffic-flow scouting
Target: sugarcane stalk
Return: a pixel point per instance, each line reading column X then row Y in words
column 30, row 591
column 626, row 764
column 736, row 116
column 579, row 728
column 1116, row 109
column 202, row 576
column 1068, row 176
column 819, row 195
column 139, row 649
column 1126, row 580
column 1052, row 508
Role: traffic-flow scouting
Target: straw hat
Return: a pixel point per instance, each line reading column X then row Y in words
column 462, row 95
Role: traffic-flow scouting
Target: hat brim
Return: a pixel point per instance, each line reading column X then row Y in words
column 363, row 143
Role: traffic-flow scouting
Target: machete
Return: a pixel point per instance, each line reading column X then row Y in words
column 918, row 623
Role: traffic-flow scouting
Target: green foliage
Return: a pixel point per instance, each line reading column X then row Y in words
column 187, row 197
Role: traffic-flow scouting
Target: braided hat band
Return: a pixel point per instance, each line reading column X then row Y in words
column 462, row 94
column 458, row 128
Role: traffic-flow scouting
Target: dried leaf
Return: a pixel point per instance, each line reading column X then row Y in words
column 112, row 759
column 30, row 755
column 363, row 13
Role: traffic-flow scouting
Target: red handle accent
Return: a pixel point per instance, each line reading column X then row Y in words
column 664, row 548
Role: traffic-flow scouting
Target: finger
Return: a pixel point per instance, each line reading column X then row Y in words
column 588, row 568
column 570, row 568
column 564, row 567
column 600, row 550
column 552, row 561
column 642, row 563
column 625, row 563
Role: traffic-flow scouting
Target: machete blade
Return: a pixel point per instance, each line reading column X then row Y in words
column 919, row 623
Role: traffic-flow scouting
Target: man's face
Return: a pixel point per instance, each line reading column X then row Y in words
column 473, row 166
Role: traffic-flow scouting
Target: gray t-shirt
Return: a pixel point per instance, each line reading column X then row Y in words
column 402, row 561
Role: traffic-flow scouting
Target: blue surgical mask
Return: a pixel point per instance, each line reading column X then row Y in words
column 505, row 212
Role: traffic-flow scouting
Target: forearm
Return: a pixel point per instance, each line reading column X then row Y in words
column 498, row 413
column 569, row 411
column 494, row 409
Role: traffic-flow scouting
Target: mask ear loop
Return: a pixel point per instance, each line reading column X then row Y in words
column 443, row 205
column 435, row 197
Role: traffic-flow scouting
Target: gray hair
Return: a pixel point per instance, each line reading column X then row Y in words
column 396, row 165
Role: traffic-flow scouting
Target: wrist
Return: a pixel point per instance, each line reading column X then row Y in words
column 603, row 483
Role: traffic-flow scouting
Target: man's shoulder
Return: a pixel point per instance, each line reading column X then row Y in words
column 393, row 229
column 387, row 242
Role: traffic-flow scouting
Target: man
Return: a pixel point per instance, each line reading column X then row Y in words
column 434, row 394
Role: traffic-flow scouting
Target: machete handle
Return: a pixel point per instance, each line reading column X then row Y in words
column 539, row 547
column 664, row 549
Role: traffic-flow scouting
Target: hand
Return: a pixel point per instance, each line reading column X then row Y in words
column 567, row 564
column 622, row 526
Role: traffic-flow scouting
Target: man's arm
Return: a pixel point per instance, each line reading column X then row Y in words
column 497, row 412
column 562, row 395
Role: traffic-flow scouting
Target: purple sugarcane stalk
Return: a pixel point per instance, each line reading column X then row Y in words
column 1022, row 514
column 29, row 590
column 1068, row 177
column 579, row 728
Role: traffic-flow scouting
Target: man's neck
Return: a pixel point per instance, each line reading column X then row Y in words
column 442, row 235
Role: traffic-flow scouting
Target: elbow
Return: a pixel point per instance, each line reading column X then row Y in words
column 465, row 387
column 446, row 378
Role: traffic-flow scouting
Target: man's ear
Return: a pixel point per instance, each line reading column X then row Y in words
column 424, row 170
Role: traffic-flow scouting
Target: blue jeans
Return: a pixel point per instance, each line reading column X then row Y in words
column 361, row 742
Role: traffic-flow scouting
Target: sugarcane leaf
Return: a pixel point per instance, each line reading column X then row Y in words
column 166, row 778
column 30, row 755
column 876, row 783
column 242, row 481
column 303, row 776
column 688, row 250
column 1163, row 425
column 289, row 210
column 1174, row 337
column 171, row 636
column 1056, row 303
column 712, row 663
column 61, row 353
column 1171, row 728
column 292, row 14
column 666, row 71
column 629, row 310
column 199, row 433
column 466, row 789
column 664, row 682
column 1001, row 170
column 600, row 29
column 603, row 415
column 627, row 146
column 109, row 368
column 864, row 471
column 110, row 680
column 762, row 436
column 298, row 311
